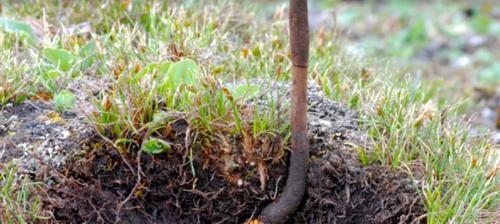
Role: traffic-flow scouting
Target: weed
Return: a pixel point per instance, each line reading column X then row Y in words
column 407, row 128
column 14, row 78
column 64, row 100
column 17, row 202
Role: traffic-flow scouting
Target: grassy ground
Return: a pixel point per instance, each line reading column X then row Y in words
column 182, row 57
column 450, row 43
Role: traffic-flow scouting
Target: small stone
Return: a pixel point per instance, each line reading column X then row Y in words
column 488, row 113
column 64, row 134
column 23, row 145
column 496, row 138
column 462, row 62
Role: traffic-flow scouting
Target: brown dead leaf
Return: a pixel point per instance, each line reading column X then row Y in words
column 106, row 103
column 426, row 113
column 248, row 145
column 118, row 70
column 176, row 51
column 262, row 170
column 254, row 221
column 42, row 95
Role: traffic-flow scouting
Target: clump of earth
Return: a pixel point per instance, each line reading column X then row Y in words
column 92, row 182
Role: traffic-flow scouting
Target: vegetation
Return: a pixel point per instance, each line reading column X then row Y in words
column 164, row 62
column 18, row 204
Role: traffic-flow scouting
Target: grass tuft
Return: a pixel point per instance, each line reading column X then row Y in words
column 18, row 204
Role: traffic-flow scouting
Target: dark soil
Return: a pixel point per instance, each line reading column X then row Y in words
column 111, row 187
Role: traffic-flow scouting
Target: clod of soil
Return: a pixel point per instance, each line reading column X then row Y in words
column 108, row 186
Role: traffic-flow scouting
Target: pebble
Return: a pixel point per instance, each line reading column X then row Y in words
column 64, row 134
column 496, row 138
column 488, row 113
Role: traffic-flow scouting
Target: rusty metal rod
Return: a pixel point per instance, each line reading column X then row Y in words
column 280, row 210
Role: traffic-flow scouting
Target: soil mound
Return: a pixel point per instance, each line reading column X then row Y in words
column 109, row 186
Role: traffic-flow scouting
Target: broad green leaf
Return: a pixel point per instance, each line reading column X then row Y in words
column 148, row 69
column 155, row 146
column 481, row 23
column 417, row 33
column 64, row 100
column 491, row 74
column 14, row 26
column 49, row 79
column 184, row 71
column 88, row 54
column 88, row 49
column 164, row 67
column 123, row 141
column 245, row 91
column 60, row 58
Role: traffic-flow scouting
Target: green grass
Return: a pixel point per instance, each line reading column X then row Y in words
column 14, row 80
column 166, row 63
column 407, row 127
column 431, row 39
column 17, row 202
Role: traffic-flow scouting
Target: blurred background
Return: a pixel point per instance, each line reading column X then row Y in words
column 455, row 44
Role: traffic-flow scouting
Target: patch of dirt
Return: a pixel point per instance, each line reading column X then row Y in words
column 32, row 133
column 341, row 191
column 112, row 186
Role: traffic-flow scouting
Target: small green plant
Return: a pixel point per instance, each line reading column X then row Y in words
column 490, row 75
column 63, row 66
column 137, row 95
column 155, row 146
column 17, row 27
column 245, row 91
column 88, row 54
column 12, row 87
column 60, row 58
column 49, row 79
column 481, row 22
column 179, row 77
column 64, row 100
column 15, row 81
